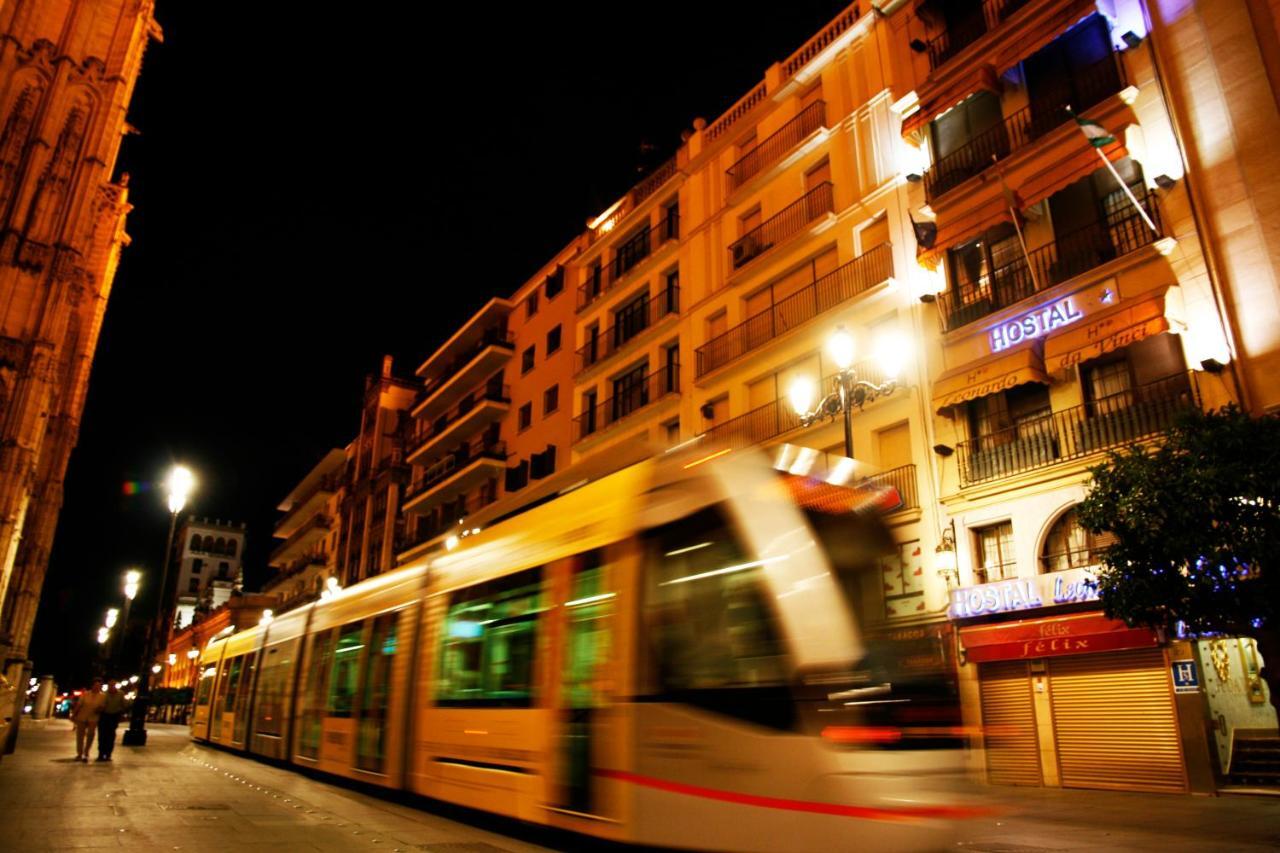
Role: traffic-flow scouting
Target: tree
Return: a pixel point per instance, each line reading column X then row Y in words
column 1196, row 520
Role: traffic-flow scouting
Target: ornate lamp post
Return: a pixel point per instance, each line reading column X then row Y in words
column 180, row 484
column 848, row 390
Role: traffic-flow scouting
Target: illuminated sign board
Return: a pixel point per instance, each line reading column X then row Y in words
column 1034, row 324
column 1056, row 588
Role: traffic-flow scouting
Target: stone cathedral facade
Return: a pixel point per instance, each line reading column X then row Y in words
column 67, row 72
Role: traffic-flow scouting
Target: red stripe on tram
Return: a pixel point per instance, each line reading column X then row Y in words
column 865, row 812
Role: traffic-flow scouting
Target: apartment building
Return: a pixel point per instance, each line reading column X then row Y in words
column 308, row 555
column 1079, row 308
column 492, row 413
column 369, row 521
column 711, row 288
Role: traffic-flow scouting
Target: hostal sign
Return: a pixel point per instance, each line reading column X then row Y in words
column 1066, row 587
column 1034, row 324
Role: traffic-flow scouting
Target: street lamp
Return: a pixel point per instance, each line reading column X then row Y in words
column 179, row 485
column 847, row 389
column 132, row 580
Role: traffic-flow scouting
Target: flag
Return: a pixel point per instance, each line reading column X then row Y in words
column 926, row 232
column 1096, row 134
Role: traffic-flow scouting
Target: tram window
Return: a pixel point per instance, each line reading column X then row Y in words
column 489, row 643
column 346, row 670
column 589, row 608
column 709, row 623
column 372, row 733
column 313, row 701
column 242, row 699
column 205, row 687
column 272, row 683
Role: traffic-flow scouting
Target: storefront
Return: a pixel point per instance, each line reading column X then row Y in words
column 1067, row 697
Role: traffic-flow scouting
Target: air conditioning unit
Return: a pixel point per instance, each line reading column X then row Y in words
column 744, row 250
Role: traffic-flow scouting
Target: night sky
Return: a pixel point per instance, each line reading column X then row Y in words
column 313, row 192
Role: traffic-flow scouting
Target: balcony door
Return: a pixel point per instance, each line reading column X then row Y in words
column 1075, row 70
column 630, row 392
column 965, row 138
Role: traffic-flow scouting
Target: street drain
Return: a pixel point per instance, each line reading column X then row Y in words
column 195, row 807
column 461, row 847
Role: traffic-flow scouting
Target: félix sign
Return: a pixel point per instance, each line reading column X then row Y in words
column 1034, row 324
column 1055, row 588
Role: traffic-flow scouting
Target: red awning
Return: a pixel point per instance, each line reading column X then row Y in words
column 1052, row 637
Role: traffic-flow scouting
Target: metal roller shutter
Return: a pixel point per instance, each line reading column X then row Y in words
column 1008, row 718
column 1114, row 722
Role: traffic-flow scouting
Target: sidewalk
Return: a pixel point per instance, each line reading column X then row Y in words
column 173, row 795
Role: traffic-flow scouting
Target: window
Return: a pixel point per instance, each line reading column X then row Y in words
column 1017, row 413
column 875, row 234
column 224, row 570
column 193, row 586
column 671, row 291
column 717, row 324
column 232, row 544
column 709, row 625
column 630, row 392
column 526, row 416
column 995, row 552
column 902, row 577
column 531, row 305
column 273, row 683
column 671, row 432
column 550, row 400
column 196, row 566
column 553, row 340
column 965, row 138
column 543, row 464
column 195, row 542
column 526, row 360
column 671, row 221
column 313, row 700
column 748, row 221
column 242, row 698
column 371, row 735
column 346, row 670
column 1070, row 546
column 554, row 283
column 490, row 635
column 817, row 176
column 588, row 417
column 1075, row 69
column 631, row 319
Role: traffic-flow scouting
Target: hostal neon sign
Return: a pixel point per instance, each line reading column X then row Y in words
column 1033, row 324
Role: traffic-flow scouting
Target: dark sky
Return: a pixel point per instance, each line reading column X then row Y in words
column 312, row 191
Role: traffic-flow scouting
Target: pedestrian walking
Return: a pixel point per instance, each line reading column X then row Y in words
column 85, row 717
column 113, row 707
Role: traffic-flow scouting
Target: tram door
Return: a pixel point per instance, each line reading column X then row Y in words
column 588, row 728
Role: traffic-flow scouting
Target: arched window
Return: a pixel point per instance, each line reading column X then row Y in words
column 195, row 541
column 208, row 543
column 231, row 547
column 220, row 547
column 1070, row 546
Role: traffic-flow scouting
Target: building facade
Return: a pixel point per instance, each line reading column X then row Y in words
column 207, row 555
column 370, row 523
column 308, row 555
column 492, row 417
column 67, row 71
column 1073, row 263
column 180, row 659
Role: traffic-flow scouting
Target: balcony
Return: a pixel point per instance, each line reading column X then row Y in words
column 308, row 505
column 443, row 521
column 765, row 423
column 841, row 284
column 456, row 473
column 628, row 324
column 627, row 256
column 902, row 480
column 646, row 390
column 473, row 414
column 777, row 145
column 302, row 538
column 1089, row 87
column 1065, row 257
column 1074, row 433
column 474, row 364
column 960, row 34
column 792, row 219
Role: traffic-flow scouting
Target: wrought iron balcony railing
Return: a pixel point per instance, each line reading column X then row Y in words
column 455, row 461
column 1073, row 433
column 626, row 401
column 627, row 255
column 845, row 282
column 628, row 324
column 960, row 34
column 1066, row 256
column 1080, row 91
column 494, row 392
column 491, row 337
column 776, row 146
column 817, row 202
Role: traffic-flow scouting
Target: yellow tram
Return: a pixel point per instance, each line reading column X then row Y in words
column 664, row 656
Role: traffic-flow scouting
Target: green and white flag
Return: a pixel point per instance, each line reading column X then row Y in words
column 1096, row 134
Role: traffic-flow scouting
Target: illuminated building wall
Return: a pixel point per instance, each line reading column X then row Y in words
column 206, row 566
column 307, row 554
column 67, row 71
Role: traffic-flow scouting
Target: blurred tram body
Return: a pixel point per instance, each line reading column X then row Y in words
column 664, row 656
